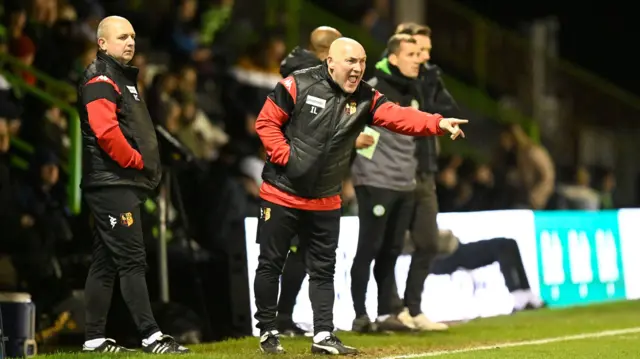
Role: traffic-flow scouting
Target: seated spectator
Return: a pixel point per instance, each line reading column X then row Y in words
column 607, row 187
column 55, row 133
column 580, row 195
column 20, row 45
column 185, row 36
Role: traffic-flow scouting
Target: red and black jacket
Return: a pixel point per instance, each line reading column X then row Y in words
column 308, row 127
column 118, row 137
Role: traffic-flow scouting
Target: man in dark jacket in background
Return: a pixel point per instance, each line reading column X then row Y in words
column 294, row 272
column 424, row 229
column 319, row 42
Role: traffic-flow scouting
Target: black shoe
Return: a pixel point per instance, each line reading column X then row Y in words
column 333, row 346
column 288, row 328
column 270, row 343
column 392, row 324
column 362, row 324
column 108, row 346
column 165, row 345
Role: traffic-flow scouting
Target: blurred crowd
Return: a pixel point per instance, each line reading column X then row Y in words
column 205, row 71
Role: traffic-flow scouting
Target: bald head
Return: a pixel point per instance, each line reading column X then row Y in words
column 321, row 39
column 116, row 38
column 347, row 61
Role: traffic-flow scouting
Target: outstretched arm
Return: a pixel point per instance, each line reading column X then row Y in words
column 409, row 121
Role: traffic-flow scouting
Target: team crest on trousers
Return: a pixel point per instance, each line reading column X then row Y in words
column 265, row 213
column 126, row 219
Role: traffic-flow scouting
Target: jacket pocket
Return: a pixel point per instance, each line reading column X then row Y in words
column 302, row 161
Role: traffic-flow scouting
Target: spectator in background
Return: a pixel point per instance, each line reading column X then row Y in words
column 160, row 96
column 185, row 36
column 255, row 75
column 483, row 189
column 607, row 187
column 20, row 44
column 580, row 194
column 7, row 222
column 86, row 56
column 140, row 62
column 55, row 133
column 197, row 133
column 530, row 172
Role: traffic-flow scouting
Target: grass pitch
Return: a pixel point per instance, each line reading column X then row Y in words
column 600, row 331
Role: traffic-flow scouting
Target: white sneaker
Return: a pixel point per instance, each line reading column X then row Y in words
column 405, row 318
column 420, row 322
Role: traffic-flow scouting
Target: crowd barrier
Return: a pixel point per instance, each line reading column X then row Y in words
column 570, row 258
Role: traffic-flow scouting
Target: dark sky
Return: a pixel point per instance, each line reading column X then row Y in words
column 598, row 37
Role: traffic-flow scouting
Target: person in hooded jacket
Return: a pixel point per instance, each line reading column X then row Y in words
column 424, row 226
column 294, row 270
column 384, row 183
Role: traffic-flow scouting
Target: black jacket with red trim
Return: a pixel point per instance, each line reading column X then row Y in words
column 308, row 126
column 118, row 136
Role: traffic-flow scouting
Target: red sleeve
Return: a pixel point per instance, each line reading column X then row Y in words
column 404, row 120
column 99, row 96
column 273, row 116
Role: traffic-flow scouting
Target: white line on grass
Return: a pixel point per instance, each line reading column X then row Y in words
column 606, row 333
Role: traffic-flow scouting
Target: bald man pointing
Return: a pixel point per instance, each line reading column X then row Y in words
column 309, row 125
column 121, row 166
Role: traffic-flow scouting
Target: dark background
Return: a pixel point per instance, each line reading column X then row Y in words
column 599, row 36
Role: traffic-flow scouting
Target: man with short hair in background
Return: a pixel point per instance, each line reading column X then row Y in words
column 424, row 227
column 384, row 185
column 121, row 167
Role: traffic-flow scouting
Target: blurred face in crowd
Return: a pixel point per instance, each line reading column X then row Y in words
column 609, row 182
column 583, row 178
column 4, row 136
column 49, row 174
column 18, row 19
column 347, row 61
column 188, row 9
column 189, row 80
column 116, row 37
column 277, row 50
column 407, row 59
column 424, row 45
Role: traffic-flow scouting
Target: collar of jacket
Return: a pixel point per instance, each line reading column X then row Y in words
column 393, row 75
column 130, row 72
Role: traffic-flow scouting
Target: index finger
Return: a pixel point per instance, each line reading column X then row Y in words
column 456, row 120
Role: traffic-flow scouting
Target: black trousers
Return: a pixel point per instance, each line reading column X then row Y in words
column 474, row 255
column 118, row 249
column 292, row 277
column 384, row 217
column 318, row 232
column 424, row 234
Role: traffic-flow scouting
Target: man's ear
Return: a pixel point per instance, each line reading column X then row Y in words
column 330, row 63
column 393, row 59
column 102, row 44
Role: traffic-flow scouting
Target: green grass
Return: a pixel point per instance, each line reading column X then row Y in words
column 523, row 326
